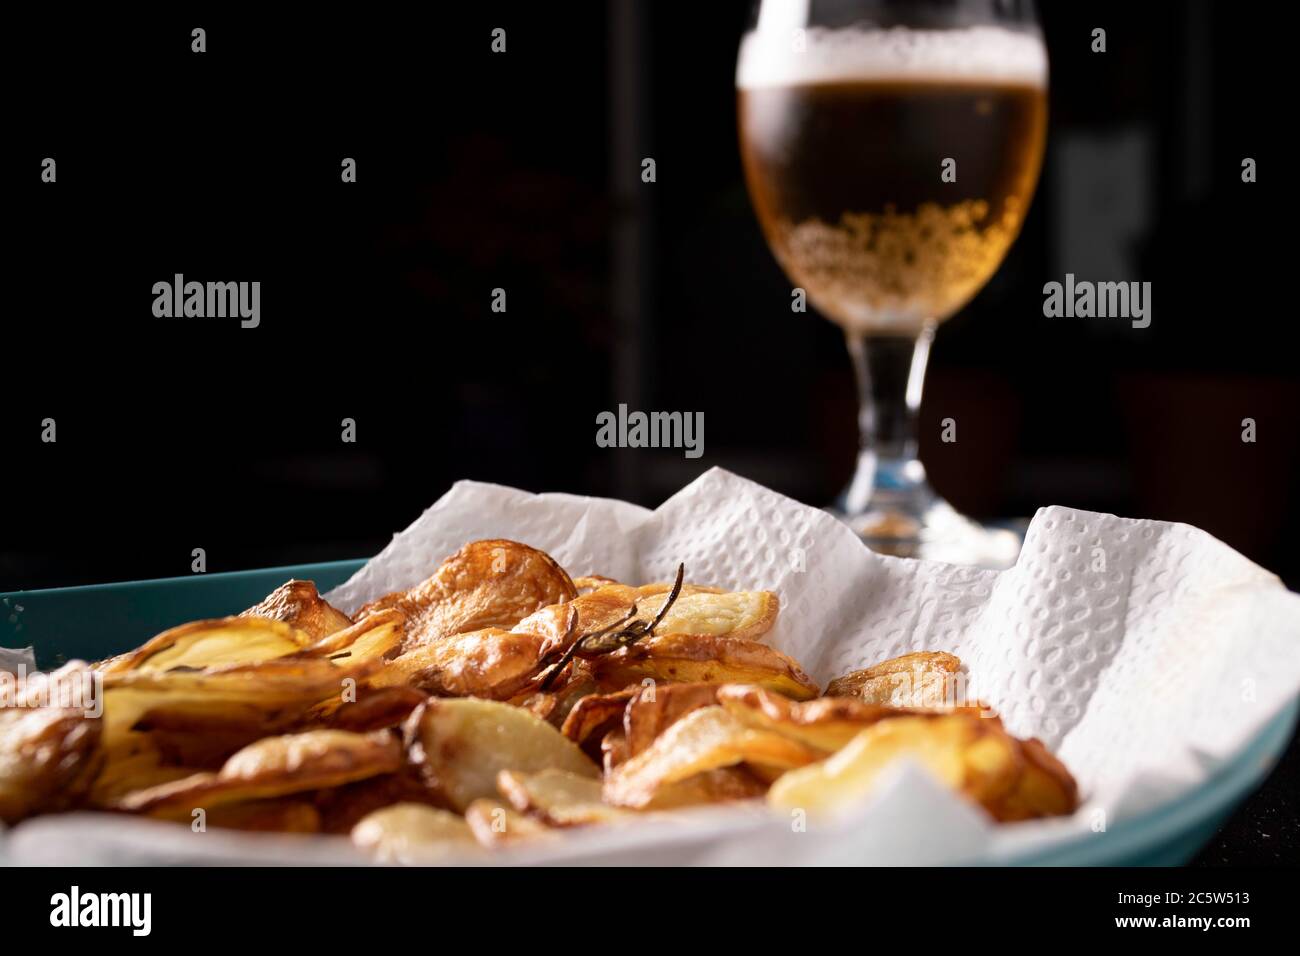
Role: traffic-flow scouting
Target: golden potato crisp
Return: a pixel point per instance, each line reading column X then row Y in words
column 274, row 767
column 972, row 755
column 924, row 679
column 48, row 758
column 461, row 745
column 298, row 603
column 827, row 723
column 486, row 584
column 413, row 833
column 497, row 824
column 595, row 714
column 692, row 658
column 489, row 663
column 560, row 798
column 216, row 643
column 740, row 615
column 378, row 637
column 657, row 707
column 704, row 739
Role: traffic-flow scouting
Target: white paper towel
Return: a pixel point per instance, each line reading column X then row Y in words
column 1144, row 653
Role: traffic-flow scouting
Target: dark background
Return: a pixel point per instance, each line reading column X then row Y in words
column 521, row 171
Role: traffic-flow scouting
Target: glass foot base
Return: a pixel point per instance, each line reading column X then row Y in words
column 934, row 532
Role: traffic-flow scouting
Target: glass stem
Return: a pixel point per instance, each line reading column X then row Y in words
column 890, row 371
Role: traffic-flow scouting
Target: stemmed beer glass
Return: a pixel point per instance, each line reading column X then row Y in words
column 891, row 149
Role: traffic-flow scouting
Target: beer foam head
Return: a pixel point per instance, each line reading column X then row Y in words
column 782, row 56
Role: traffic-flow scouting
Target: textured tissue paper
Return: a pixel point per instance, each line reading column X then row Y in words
column 1144, row 653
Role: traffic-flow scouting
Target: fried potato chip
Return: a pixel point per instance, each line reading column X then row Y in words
column 561, row 624
column 48, row 759
column 595, row 715
column 215, row 643
column 739, row 615
column 925, row 679
column 489, row 663
column 496, row 824
column 827, row 723
column 486, row 584
column 656, row 707
column 691, row 658
column 560, row 798
column 274, row 767
column 413, row 833
column 697, row 611
column 1045, row 788
column 251, row 699
column 377, row 637
column 704, row 739
column 973, row 756
column 462, row 744
column 300, row 604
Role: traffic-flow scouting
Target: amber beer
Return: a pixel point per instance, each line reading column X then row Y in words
column 845, row 146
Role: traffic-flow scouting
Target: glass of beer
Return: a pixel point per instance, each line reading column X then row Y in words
column 891, row 149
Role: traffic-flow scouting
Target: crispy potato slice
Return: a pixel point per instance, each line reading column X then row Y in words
column 596, row 714
column 257, row 699
column 827, row 723
column 701, row 612
column 48, row 759
column 300, row 604
column 1045, row 788
column 486, row 584
column 560, row 798
column 704, row 739
column 657, row 706
column 739, row 615
column 489, row 663
column 462, row 744
column 413, row 833
column 496, row 824
column 563, row 623
column 690, row 658
column 924, row 679
column 274, row 767
column 377, row 637
column 215, row 643
column 973, row 756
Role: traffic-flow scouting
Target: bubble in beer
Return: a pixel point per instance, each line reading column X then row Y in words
column 843, row 146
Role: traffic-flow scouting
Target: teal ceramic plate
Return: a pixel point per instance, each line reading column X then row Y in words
column 104, row 619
